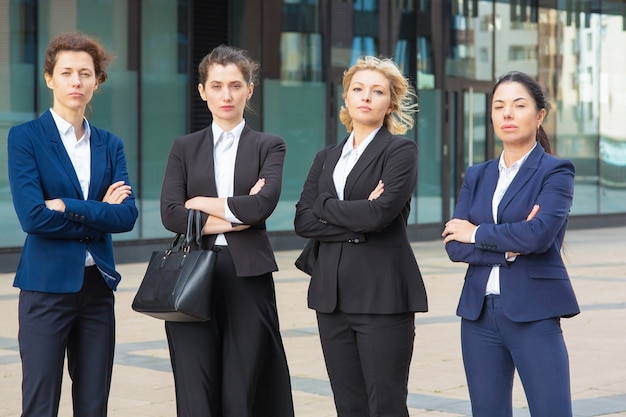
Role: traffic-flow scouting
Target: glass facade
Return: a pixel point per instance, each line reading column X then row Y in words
column 452, row 51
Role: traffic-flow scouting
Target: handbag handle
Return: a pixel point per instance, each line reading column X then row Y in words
column 194, row 229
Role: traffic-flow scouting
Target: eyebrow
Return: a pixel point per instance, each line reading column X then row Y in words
column 373, row 85
column 517, row 99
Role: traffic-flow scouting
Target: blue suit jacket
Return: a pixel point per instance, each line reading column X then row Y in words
column 536, row 285
column 53, row 256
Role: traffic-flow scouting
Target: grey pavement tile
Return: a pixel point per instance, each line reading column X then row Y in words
column 143, row 384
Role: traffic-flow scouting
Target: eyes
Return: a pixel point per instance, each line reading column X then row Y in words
column 234, row 86
column 82, row 74
column 376, row 91
column 517, row 106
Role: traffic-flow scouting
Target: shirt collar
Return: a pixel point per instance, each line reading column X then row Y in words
column 347, row 147
column 517, row 164
column 217, row 131
column 64, row 127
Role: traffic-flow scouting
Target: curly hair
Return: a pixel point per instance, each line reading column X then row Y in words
column 78, row 42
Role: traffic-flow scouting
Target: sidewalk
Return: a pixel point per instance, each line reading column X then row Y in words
column 596, row 339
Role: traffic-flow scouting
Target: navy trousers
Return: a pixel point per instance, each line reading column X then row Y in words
column 81, row 325
column 494, row 347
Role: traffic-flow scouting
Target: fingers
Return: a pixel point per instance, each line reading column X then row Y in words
column 257, row 186
column 533, row 212
column 117, row 193
column 378, row 191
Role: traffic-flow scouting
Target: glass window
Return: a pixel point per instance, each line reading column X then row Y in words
column 471, row 40
column 163, row 105
column 294, row 96
column 611, row 99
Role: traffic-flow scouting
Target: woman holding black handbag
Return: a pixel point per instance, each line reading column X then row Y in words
column 234, row 364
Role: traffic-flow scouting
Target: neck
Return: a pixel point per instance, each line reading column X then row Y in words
column 512, row 154
column 75, row 118
column 227, row 125
column 360, row 133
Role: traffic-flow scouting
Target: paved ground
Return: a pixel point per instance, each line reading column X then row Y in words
column 596, row 339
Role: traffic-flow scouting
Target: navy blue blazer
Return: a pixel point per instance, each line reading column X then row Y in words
column 53, row 256
column 366, row 264
column 535, row 285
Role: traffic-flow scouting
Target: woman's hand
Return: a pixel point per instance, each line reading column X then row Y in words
column 459, row 230
column 56, row 205
column 378, row 191
column 116, row 193
column 531, row 215
column 257, row 187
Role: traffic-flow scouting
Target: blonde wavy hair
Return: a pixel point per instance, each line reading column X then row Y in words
column 403, row 97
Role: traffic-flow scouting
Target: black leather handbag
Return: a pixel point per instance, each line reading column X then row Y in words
column 178, row 282
column 306, row 261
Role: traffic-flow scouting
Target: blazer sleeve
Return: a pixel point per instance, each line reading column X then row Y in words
column 308, row 225
column 399, row 175
column 469, row 252
column 555, row 195
column 105, row 217
column 255, row 209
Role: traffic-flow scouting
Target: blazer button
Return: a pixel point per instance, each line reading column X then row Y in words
column 356, row 240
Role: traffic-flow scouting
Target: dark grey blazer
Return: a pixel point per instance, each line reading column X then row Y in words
column 190, row 173
column 365, row 264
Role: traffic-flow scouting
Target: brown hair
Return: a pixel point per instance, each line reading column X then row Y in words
column 538, row 96
column 403, row 97
column 224, row 55
column 79, row 42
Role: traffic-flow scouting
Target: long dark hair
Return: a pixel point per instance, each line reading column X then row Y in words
column 536, row 92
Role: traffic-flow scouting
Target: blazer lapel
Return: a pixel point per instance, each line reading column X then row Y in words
column 209, row 142
column 372, row 152
column 52, row 133
column 525, row 173
column 326, row 178
column 98, row 164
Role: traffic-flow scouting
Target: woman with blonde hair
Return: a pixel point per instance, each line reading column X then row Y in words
column 366, row 285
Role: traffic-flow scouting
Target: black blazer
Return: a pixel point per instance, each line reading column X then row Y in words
column 366, row 263
column 190, row 173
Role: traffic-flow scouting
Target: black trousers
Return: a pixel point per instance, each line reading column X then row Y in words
column 367, row 358
column 233, row 365
column 80, row 324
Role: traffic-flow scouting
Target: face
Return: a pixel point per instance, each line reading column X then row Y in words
column 226, row 93
column 368, row 98
column 73, row 81
column 514, row 115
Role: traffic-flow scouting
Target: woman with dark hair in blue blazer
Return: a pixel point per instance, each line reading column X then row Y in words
column 70, row 190
column 508, row 226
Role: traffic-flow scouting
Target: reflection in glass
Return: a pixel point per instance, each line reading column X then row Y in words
column 471, row 40
column 365, row 40
column 300, row 42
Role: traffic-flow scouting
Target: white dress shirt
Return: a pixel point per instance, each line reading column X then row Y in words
column 506, row 176
column 224, row 156
column 79, row 152
column 349, row 157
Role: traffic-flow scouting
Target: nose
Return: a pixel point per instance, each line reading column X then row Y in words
column 367, row 96
column 75, row 78
column 508, row 113
column 226, row 94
